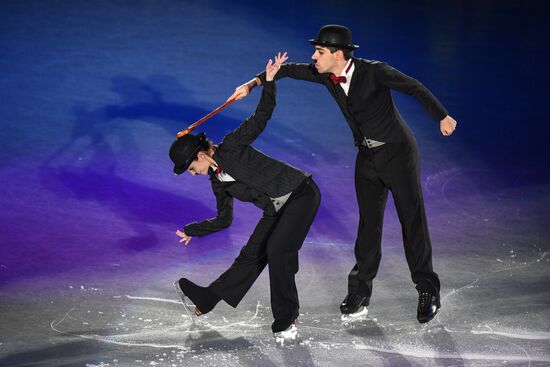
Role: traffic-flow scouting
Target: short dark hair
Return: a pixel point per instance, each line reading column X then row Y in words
column 205, row 146
column 348, row 54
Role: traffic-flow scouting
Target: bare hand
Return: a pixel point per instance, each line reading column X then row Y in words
column 184, row 238
column 447, row 125
column 240, row 92
column 273, row 67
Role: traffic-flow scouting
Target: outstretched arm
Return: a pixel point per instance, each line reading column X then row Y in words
column 249, row 130
column 223, row 219
column 295, row 71
column 244, row 89
column 392, row 78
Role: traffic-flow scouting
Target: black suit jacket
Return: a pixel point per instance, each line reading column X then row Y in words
column 258, row 177
column 368, row 108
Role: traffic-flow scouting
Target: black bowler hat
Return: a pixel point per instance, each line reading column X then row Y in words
column 185, row 149
column 334, row 35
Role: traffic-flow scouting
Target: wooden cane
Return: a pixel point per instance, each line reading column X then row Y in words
column 194, row 125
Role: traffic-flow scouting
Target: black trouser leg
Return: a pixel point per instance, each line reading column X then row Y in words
column 371, row 197
column 286, row 239
column 275, row 240
column 233, row 284
column 394, row 167
column 407, row 193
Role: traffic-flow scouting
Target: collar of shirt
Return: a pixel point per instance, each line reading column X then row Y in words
column 348, row 75
column 222, row 176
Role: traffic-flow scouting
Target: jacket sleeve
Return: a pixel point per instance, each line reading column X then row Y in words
column 250, row 128
column 296, row 71
column 223, row 219
column 392, row 78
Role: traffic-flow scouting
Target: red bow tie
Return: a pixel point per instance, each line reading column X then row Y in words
column 341, row 79
column 337, row 79
column 216, row 171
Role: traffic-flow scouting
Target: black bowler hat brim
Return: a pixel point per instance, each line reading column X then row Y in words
column 178, row 148
column 324, row 44
column 179, row 170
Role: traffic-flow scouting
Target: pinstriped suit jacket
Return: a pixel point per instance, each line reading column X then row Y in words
column 258, row 176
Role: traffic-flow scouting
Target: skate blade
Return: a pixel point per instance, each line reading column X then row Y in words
column 283, row 342
column 287, row 338
column 182, row 298
column 359, row 315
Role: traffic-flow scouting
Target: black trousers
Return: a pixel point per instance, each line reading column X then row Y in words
column 274, row 242
column 391, row 167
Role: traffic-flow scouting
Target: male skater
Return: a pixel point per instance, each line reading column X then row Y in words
column 288, row 196
column 387, row 159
